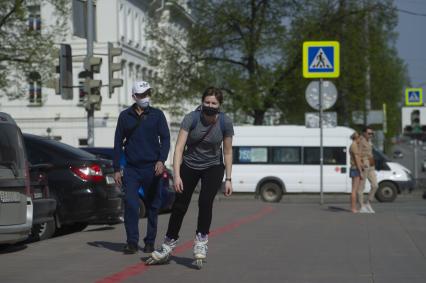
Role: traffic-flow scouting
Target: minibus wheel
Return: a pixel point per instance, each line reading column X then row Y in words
column 271, row 192
column 386, row 192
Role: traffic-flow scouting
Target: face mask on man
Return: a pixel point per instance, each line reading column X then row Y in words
column 210, row 111
column 143, row 103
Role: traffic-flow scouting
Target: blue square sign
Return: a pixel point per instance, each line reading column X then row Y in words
column 321, row 59
column 413, row 96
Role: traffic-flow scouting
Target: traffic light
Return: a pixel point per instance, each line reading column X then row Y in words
column 93, row 90
column 415, row 121
column 414, row 130
column 92, row 86
column 113, row 67
column 64, row 87
column 93, row 64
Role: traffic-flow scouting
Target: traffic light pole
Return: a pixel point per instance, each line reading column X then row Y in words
column 90, row 108
column 321, row 144
column 415, row 145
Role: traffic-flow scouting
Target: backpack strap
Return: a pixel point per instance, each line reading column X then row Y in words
column 196, row 117
column 222, row 123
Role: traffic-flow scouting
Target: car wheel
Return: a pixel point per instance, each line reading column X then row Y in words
column 142, row 209
column 43, row 231
column 386, row 192
column 271, row 192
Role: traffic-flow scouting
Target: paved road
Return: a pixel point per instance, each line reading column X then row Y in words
column 295, row 240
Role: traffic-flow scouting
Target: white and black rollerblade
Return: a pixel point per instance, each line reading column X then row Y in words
column 200, row 249
column 162, row 255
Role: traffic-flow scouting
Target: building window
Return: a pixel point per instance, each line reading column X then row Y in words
column 122, row 23
column 34, row 88
column 144, row 74
column 34, row 18
column 129, row 26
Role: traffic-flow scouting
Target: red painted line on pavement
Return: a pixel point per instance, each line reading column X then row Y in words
column 141, row 267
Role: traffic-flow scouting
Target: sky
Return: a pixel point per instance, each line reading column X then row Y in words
column 411, row 42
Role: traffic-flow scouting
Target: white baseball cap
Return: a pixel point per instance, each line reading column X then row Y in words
column 140, row 87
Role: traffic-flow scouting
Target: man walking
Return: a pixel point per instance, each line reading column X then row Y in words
column 143, row 134
column 368, row 170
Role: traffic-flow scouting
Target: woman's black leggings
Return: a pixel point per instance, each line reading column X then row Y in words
column 211, row 180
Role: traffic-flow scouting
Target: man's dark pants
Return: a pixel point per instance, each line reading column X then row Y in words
column 133, row 179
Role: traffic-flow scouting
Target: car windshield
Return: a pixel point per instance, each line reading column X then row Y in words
column 12, row 156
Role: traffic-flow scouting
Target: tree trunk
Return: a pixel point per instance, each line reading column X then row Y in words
column 258, row 117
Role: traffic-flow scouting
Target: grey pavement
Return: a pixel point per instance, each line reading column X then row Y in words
column 296, row 240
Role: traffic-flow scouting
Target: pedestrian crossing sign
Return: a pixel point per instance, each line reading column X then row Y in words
column 321, row 59
column 413, row 96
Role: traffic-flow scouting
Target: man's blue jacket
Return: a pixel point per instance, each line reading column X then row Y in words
column 149, row 142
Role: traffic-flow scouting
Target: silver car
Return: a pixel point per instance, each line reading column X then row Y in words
column 16, row 209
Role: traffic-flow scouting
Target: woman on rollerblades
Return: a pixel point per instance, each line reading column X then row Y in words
column 198, row 155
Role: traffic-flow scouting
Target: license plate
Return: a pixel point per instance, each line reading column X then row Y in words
column 110, row 180
column 9, row 197
column 38, row 195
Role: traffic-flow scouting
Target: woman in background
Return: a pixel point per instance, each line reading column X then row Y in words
column 355, row 170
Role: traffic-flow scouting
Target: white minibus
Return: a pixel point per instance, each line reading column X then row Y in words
column 274, row 160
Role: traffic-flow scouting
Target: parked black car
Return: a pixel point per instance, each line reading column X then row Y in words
column 82, row 185
column 167, row 192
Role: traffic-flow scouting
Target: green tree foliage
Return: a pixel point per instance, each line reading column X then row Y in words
column 24, row 50
column 365, row 30
column 238, row 47
column 253, row 50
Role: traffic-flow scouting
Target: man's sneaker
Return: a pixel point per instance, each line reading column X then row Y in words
column 149, row 248
column 364, row 209
column 369, row 208
column 130, row 248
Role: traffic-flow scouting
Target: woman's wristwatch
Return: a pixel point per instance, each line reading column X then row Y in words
column 228, row 179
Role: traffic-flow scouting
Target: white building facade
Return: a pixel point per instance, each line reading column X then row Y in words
column 121, row 22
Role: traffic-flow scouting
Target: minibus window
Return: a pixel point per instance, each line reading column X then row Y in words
column 335, row 155
column 378, row 155
column 286, row 155
column 311, row 155
column 332, row 155
column 248, row 154
column 381, row 161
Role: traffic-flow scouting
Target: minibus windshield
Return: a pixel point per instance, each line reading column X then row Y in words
column 378, row 155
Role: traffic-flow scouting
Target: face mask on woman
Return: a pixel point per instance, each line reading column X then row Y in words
column 143, row 103
column 209, row 111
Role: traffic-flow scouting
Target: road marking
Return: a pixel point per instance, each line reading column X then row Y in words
column 140, row 268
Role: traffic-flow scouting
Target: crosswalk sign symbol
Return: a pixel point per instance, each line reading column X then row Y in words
column 413, row 96
column 321, row 59
column 318, row 59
